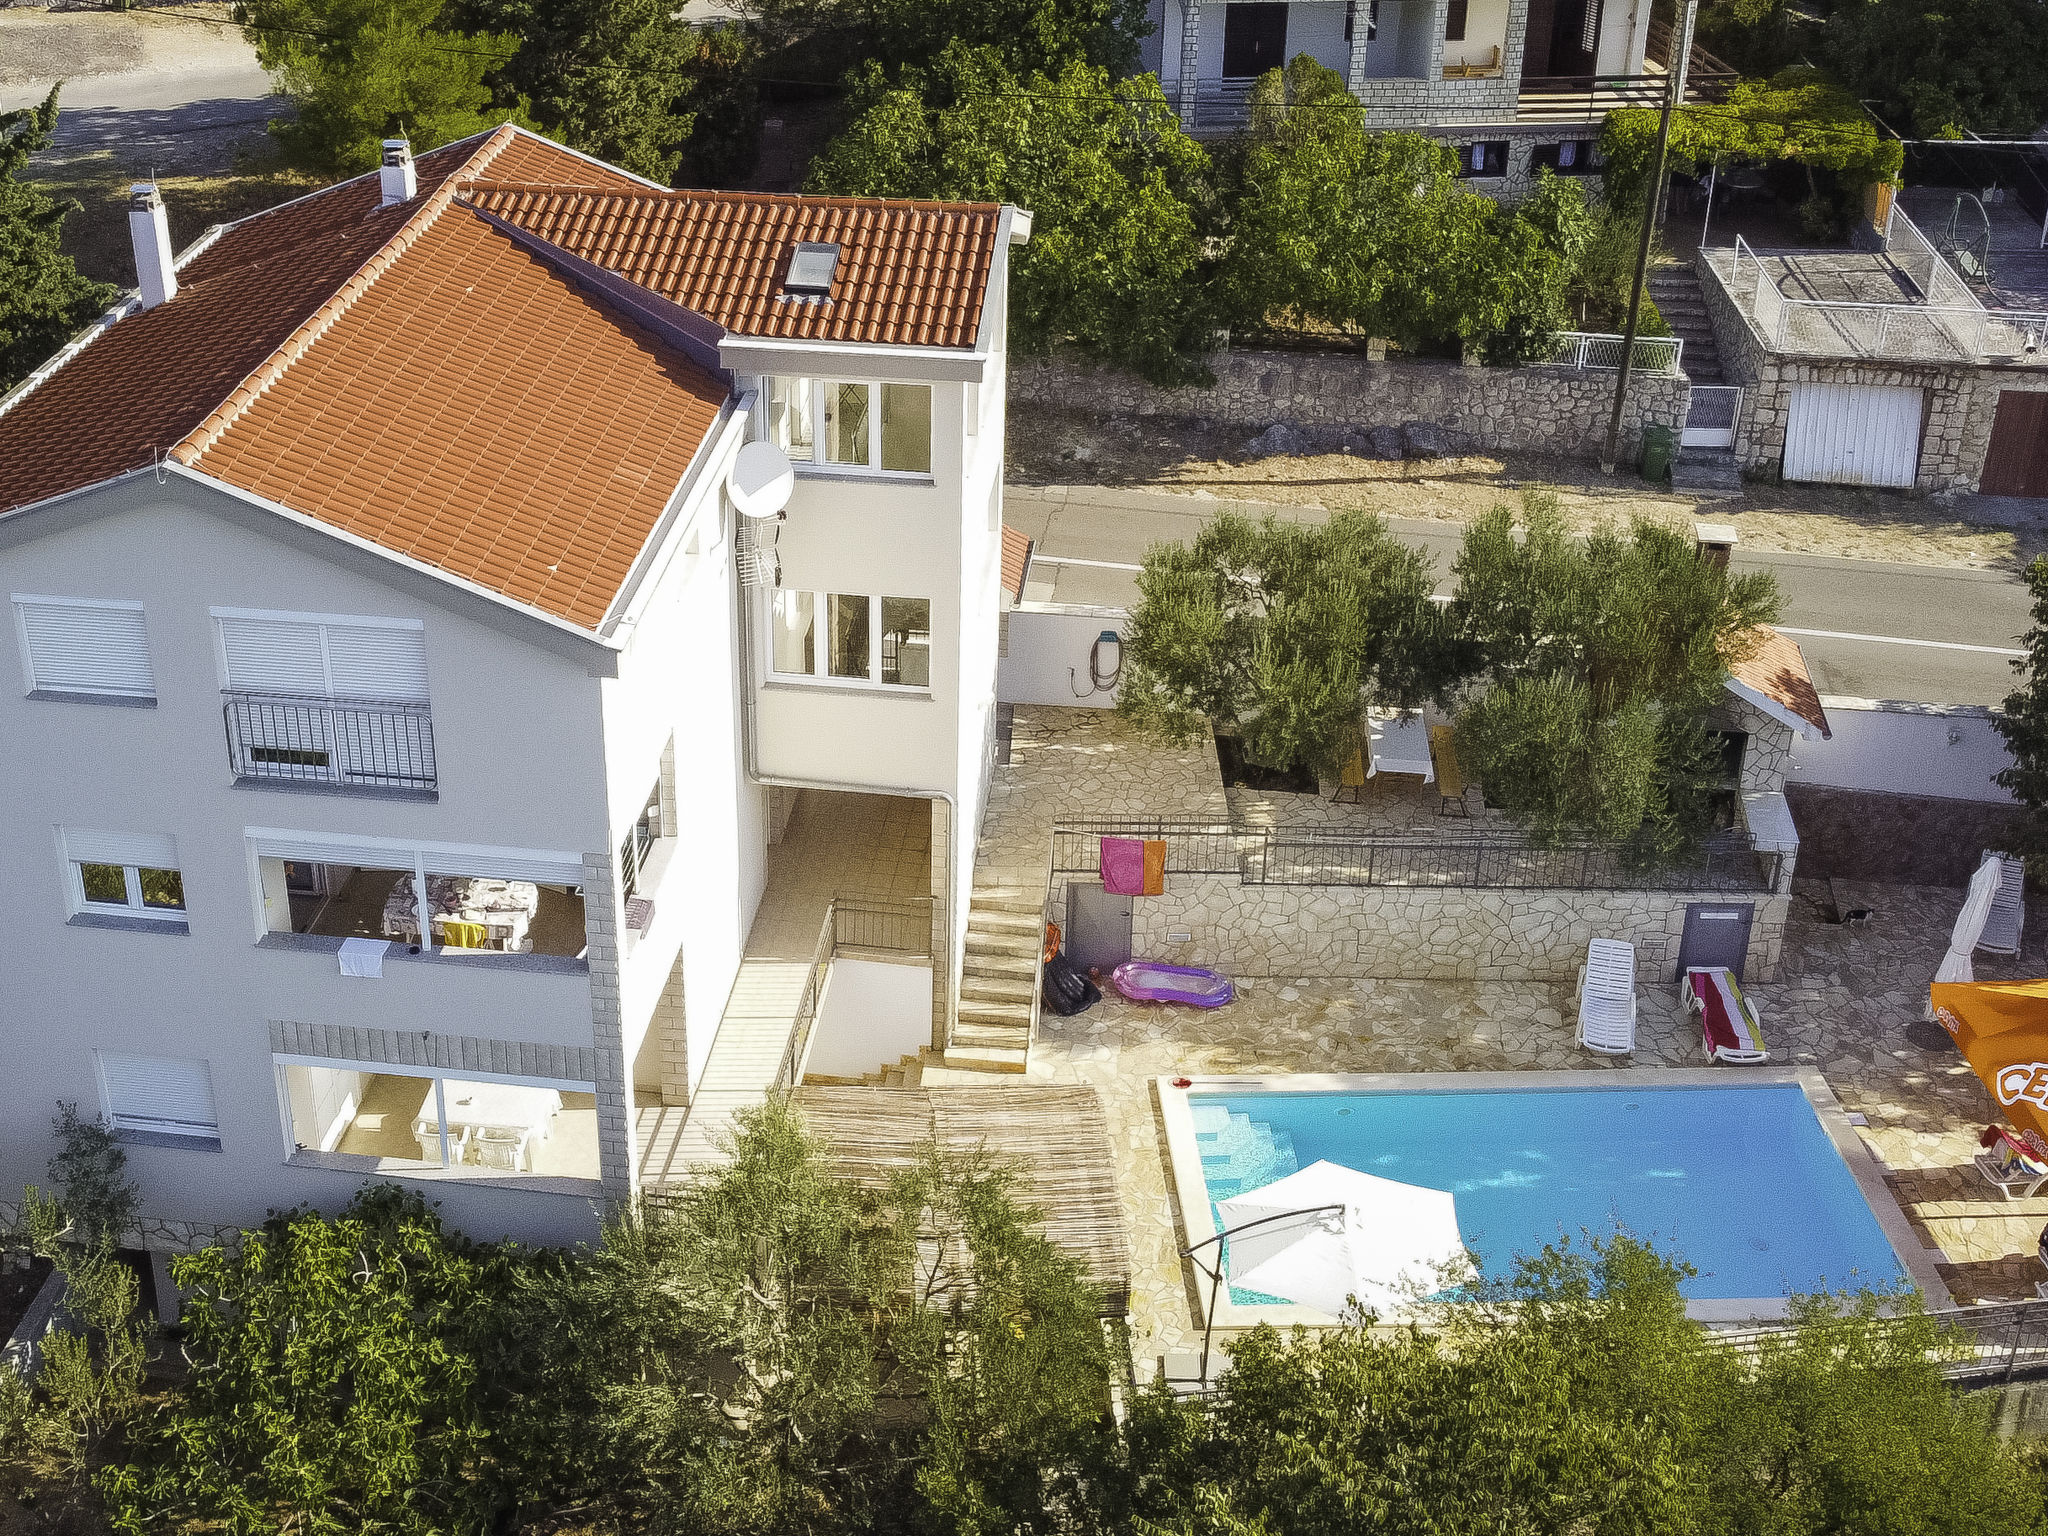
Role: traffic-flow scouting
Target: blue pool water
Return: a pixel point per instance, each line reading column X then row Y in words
column 1741, row 1182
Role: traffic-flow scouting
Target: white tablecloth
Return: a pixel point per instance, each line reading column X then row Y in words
column 1398, row 743
column 493, row 1107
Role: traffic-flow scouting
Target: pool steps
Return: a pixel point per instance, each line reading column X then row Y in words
column 1238, row 1152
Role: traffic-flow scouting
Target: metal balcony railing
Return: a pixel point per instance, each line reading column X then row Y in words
column 342, row 743
column 1595, row 349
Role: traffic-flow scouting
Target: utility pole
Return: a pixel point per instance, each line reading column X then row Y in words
column 1654, row 203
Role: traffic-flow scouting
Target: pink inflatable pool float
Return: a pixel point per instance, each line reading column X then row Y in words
column 1150, row 981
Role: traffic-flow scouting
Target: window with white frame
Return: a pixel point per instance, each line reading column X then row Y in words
column 841, row 424
column 851, row 638
column 169, row 1096
column 124, row 874
column 84, row 648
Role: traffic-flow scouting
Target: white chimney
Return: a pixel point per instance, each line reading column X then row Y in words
column 150, row 229
column 400, row 181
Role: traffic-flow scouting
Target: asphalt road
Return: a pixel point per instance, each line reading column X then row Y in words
column 1924, row 633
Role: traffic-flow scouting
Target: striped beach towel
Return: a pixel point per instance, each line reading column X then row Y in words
column 1728, row 1025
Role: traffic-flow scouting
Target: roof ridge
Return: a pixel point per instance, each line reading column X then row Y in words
column 719, row 194
column 188, row 449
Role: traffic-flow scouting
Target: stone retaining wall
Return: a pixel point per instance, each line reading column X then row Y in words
column 1559, row 411
column 1402, row 933
column 1925, row 840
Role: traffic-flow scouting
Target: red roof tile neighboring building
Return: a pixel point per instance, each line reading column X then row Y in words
column 423, row 377
column 1016, row 562
column 909, row 274
column 1773, row 665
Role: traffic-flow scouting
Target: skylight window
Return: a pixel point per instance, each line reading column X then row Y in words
column 811, row 267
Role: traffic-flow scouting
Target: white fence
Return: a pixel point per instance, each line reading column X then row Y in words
column 1594, row 349
column 1951, row 326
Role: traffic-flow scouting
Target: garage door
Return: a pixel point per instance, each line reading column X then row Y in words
column 2017, row 462
column 1853, row 434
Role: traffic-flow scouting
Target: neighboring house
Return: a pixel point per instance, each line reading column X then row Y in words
column 374, row 572
column 1878, row 366
column 1515, row 84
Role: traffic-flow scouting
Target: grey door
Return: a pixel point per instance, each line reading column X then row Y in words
column 1716, row 933
column 1098, row 927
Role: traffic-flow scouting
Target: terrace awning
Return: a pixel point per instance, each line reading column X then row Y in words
column 2001, row 1027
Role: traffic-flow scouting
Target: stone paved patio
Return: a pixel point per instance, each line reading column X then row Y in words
column 1855, row 992
column 1843, row 1004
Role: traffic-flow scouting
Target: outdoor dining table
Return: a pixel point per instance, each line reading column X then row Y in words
column 1398, row 742
column 512, row 1111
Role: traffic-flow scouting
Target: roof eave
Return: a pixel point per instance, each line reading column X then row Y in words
column 642, row 576
column 1777, row 709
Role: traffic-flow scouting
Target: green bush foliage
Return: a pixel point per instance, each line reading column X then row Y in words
column 1112, row 265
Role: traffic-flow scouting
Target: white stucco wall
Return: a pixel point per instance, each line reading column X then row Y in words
column 873, row 1014
column 1316, row 28
column 1624, row 33
column 1046, row 655
column 517, row 739
column 1948, row 751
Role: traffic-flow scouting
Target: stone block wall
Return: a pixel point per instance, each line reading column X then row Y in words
column 1407, row 933
column 1545, row 410
column 1520, row 179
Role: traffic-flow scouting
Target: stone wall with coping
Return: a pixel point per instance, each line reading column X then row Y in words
column 1407, row 933
column 1767, row 755
column 1560, row 411
column 1961, row 398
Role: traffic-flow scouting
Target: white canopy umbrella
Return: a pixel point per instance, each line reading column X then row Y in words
column 1955, row 965
column 1388, row 1241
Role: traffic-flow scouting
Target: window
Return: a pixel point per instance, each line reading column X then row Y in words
column 1454, row 21
column 867, row 640
column 853, row 425
column 72, row 648
column 322, row 657
column 168, row 1097
column 1574, row 157
column 640, row 840
column 376, row 1116
column 124, row 874
column 1489, row 157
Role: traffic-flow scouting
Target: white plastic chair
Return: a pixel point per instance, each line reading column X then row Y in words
column 2008, row 918
column 1607, row 998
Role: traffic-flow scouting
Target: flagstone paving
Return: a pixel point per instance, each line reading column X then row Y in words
column 1846, row 998
column 1852, row 993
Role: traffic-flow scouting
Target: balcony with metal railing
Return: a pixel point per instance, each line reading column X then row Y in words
column 1904, row 302
column 339, row 746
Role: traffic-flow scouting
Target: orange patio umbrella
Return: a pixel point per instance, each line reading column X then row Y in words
column 2001, row 1027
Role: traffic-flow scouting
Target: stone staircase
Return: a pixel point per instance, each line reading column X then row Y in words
column 1676, row 292
column 998, row 980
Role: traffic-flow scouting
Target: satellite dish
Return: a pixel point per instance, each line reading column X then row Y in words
column 761, row 480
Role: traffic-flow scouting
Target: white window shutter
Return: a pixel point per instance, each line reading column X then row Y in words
column 76, row 647
column 381, row 662
column 274, row 656
column 144, row 850
column 159, row 1093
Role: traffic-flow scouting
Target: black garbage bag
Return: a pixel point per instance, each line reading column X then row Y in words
column 1066, row 988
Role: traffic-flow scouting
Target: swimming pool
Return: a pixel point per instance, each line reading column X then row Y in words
column 1758, row 1181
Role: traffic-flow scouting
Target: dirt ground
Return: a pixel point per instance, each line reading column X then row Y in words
column 1052, row 446
column 96, row 236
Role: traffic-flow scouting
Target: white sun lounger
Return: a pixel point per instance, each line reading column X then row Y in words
column 2008, row 916
column 1607, row 998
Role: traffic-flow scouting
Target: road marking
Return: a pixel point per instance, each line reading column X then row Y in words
column 1935, row 645
column 1101, row 565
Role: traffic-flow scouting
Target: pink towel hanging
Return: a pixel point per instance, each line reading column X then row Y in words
column 1123, row 866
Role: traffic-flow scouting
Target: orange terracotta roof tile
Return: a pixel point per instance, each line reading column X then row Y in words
column 426, row 378
column 1773, row 664
column 1016, row 561
column 909, row 274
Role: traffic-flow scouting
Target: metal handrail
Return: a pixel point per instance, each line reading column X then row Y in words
column 309, row 739
column 853, row 924
column 1602, row 349
column 1995, row 1340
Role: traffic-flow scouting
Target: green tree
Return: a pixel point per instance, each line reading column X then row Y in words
column 43, row 299
column 1026, row 36
column 1113, row 263
column 1281, row 633
column 2023, row 718
column 1602, row 658
column 612, row 78
column 726, row 141
column 1963, row 67
column 361, row 71
column 335, row 1382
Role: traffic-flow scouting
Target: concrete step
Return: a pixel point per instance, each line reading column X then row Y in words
column 996, row 920
column 1024, row 966
column 1006, row 945
column 1019, row 899
column 983, row 989
column 968, row 1067
column 1706, row 472
column 1002, row 1014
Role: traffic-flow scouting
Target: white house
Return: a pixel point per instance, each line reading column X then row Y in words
column 409, row 720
